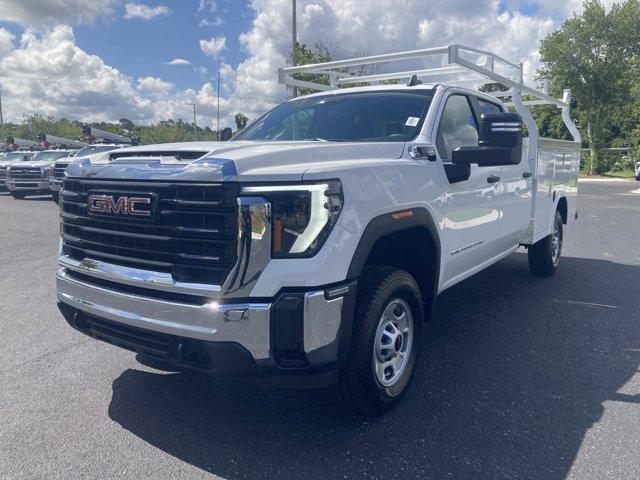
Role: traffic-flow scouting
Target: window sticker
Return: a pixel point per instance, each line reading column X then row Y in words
column 412, row 121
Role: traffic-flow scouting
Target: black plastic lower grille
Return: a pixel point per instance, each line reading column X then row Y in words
column 176, row 350
column 137, row 340
column 194, row 236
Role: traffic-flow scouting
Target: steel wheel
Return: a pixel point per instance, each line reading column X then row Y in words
column 556, row 244
column 393, row 342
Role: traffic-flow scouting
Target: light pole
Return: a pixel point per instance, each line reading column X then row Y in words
column 195, row 137
column 218, row 131
column 294, row 41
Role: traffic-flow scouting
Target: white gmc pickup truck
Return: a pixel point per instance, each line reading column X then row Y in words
column 310, row 249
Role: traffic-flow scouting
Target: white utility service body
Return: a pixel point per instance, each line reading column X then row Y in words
column 331, row 248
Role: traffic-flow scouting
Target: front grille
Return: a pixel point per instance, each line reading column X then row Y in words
column 59, row 169
column 26, row 173
column 3, row 173
column 194, row 237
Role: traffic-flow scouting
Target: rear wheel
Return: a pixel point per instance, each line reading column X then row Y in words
column 385, row 342
column 544, row 255
column 18, row 195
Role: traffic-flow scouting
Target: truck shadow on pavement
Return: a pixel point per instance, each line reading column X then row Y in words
column 513, row 372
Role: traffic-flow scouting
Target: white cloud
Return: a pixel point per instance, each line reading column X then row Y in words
column 6, row 41
column 210, row 6
column 214, row 46
column 47, row 73
column 144, row 12
column 179, row 61
column 47, row 12
column 382, row 26
column 215, row 22
column 154, row 85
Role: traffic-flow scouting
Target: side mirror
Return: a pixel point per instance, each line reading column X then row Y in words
column 226, row 134
column 499, row 142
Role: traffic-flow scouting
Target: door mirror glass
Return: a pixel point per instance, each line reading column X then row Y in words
column 499, row 143
column 457, row 127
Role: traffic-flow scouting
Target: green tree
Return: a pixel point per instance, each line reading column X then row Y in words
column 592, row 54
column 306, row 56
column 241, row 120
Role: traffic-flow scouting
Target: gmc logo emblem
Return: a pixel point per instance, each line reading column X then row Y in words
column 129, row 206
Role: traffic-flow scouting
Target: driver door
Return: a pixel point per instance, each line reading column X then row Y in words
column 470, row 208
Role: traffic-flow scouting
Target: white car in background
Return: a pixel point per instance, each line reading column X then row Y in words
column 9, row 158
column 638, row 171
column 94, row 152
column 32, row 177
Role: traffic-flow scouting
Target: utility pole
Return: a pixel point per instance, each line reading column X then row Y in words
column 195, row 136
column 218, row 131
column 294, row 41
column 1, row 119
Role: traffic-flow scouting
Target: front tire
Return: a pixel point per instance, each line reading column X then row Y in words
column 544, row 255
column 56, row 197
column 385, row 343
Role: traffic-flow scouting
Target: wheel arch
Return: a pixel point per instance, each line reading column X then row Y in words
column 406, row 239
column 562, row 206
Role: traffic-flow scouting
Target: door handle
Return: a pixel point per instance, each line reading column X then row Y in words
column 493, row 179
column 527, row 175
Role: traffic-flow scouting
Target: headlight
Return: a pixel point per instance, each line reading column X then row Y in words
column 302, row 215
column 46, row 172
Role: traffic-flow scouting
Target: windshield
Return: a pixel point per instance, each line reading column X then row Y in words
column 94, row 149
column 378, row 116
column 50, row 156
column 17, row 156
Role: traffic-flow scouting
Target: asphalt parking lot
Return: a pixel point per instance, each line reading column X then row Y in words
column 520, row 377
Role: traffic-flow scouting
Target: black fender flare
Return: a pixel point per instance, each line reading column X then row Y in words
column 394, row 222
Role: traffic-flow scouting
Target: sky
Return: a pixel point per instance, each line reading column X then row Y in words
column 146, row 60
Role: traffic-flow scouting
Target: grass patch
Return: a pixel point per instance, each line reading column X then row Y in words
column 611, row 174
column 620, row 174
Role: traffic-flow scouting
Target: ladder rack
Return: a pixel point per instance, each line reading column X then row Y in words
column 469, row 67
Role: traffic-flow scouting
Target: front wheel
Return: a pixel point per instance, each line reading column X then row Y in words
column 544, row 255
column 18, row 195
column 385, row 342
column 56, row 197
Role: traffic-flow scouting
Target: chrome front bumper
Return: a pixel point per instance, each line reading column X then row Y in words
column 248, row 323
column 28, row 185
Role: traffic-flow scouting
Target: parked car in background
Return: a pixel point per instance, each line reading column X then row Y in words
column 638, row 171
column 32, row 177
column 92, row 152
column 8, row 158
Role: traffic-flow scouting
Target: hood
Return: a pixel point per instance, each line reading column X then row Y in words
column 237, row 161
column 44, row 163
